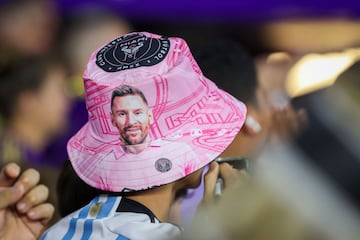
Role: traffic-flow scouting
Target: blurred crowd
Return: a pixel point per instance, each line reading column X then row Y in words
column 42, row 60
column 303, row 158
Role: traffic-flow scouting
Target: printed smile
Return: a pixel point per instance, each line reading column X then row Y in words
column 133, row 130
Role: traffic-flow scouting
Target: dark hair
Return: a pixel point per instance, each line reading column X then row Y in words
column 73, row 193
column 125, row 90
column 19, row 75
column 229, row 65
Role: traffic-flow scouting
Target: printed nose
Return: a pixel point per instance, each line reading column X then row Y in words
column 131, row 118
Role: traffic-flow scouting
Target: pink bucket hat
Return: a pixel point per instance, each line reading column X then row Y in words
column 153, row 116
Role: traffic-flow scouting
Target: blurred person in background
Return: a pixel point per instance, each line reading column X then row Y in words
column 267, row 206
column 233, row 69
column 317, row 166
column 272, row 70
column 27, row 27
column 329, row 142
column 82, row 32
column 34, row 108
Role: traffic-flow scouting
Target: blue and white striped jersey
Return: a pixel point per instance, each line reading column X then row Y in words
column 112, row 217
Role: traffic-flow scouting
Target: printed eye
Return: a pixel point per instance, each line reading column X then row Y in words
column 122, row 114
column 137, row 113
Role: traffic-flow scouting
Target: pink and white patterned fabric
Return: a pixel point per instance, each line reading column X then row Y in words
column 193, row 120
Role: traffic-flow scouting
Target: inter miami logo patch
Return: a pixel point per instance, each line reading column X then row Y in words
column 132, row 51
column 163, row 165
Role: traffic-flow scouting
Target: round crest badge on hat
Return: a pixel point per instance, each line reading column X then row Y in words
column 154, row 117
column 132, row 51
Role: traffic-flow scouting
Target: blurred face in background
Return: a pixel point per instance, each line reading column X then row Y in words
column 30, row 27
column 82, row 41
column 49, row 106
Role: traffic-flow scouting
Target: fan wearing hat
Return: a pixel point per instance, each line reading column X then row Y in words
column 154, row 122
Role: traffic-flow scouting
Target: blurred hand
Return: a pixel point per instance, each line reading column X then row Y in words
column 229, row 174
column 286, row 122
column 23, row 211
column 279, row 116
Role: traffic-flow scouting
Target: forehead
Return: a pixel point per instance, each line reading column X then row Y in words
column 129, row 102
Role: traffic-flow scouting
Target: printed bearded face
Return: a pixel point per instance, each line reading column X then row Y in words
column 132, row 117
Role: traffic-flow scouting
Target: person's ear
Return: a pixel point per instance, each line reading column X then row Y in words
column 251, row 126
